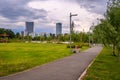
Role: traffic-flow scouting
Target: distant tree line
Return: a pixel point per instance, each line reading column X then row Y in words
column 9, row 36
column 8, row 32
column 76, row 37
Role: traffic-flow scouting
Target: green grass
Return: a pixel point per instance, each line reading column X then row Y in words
column 105, row 67
column 16, row 57
column 84, row 48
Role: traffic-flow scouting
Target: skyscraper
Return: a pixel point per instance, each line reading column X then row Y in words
column 58, row 29
column 29, row 28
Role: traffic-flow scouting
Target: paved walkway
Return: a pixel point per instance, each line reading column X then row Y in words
column 69, row 68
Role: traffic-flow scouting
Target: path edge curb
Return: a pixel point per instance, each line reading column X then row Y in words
column 85, row 71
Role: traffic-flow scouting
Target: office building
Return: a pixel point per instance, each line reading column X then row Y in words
column 22, row 33
column 58, row 29
column 29, row 28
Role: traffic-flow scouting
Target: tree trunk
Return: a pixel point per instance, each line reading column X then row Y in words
column 118, row 54
column 113, row 51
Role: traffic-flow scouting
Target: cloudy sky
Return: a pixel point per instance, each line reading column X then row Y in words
column 46, row 13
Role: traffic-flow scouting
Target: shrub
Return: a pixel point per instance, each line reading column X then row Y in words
column 78, row 45
column 85, row 44
column 72, row 46
column 59, row 42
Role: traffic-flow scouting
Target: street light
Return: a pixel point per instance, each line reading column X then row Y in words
column 89, row 37
column 71, row 29
column 91, row 29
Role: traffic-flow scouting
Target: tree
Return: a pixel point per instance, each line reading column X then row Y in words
column 17, row 35
column 106, row 33
column 8, row 32
column 2, row 31
column 28, row 38
column 109, row 28
column 112, row 16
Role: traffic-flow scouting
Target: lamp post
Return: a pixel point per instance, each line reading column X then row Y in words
column 89, row 37
column 91, row 29
column 71, row 29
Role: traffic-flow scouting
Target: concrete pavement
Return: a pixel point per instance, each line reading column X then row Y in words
column 68, row 68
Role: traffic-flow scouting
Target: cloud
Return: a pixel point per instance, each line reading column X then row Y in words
column 96, row 6
column 13, row 10
column 46, row 13
column 14, row 14
column 59, row 12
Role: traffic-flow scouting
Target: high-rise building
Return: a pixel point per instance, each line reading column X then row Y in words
column 22, row 33
column 29, row 28
column 58, row 29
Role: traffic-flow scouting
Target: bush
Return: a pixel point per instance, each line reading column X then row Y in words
column 78, row 45
column 85, row 44
column 59, row 43
column 72, row 46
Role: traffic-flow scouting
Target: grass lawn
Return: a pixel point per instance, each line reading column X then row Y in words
column 16, row 57
column 105, row 67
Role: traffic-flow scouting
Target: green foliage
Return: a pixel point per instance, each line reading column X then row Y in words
column 8, row 32
column 44, row 38
column 76, row 37
column 105, row 67
column 72, row 46
column 17, row 35
column 28, row 38
column 78, row 45
column 109, row 29
column 85, row 44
